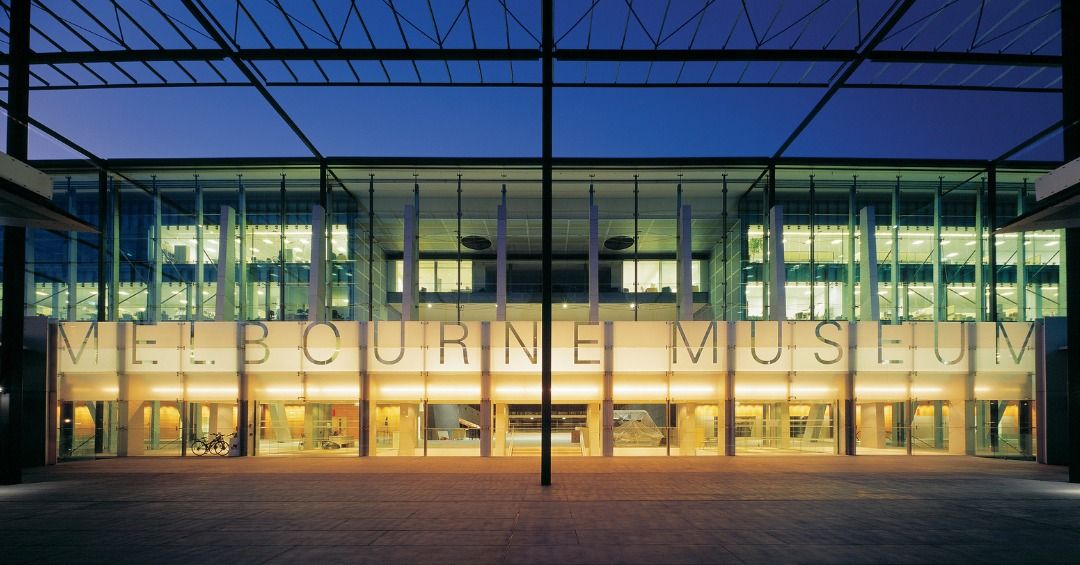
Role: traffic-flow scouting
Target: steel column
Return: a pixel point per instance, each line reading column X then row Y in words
column 11, row 385
column 154, row 295
column 225, row 300
column 813, row 264
column 1070, row 99
column 114, row 250
column 282, row 270
column 849, row 292
column 72, row 259
column 726, row 314
column 103, row 233
column 939, row 277
column 980, row 255
column 1021, row 260
column 500, row 259
column 895, row 251
column 547, row 50
column 869, row 300
column 199, row 247
column 991, row 219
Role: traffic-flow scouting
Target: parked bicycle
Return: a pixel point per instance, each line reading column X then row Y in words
column 214, row 443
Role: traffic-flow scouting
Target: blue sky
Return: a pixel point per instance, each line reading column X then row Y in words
column 460, row 121
column 608, row 122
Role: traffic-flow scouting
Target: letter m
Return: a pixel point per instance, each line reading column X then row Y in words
column 92, row 330
column 677, row 328
column 1017, row 356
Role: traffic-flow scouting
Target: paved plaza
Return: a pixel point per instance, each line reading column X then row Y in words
column 810, row 509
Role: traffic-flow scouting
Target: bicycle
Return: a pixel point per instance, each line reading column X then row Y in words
column 217, row 445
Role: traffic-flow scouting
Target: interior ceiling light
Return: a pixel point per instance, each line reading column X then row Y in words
column 619, row 242
column 476, row 242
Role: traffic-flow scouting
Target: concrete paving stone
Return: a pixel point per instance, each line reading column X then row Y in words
column 277, row 538
column 544, row 537
column 381, row 555
column 444, row 538
column 473, row 510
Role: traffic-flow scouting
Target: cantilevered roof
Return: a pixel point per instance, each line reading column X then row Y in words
column 817, row 48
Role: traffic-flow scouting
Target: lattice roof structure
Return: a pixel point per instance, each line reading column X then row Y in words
column 820, row 47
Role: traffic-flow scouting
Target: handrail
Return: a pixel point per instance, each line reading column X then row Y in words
column 71, row 451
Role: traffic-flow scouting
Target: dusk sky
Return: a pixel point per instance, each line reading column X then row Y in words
column 505, row 121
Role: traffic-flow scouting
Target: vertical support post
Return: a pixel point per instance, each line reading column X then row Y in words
column 323, row 188
column 114, row 250
column 485, row 389
column 282, row 250
column 241, row 227
column 225, row 301
column 635, row 305
column 594, row 258
column 777, row 273
column 869, row 301
column 895, row 251
column 1070, row 100
column 371, row 247
column 500, row 259
column 685, row 277
column 153, row 297
column 849, row 406
column 991, row 218
column 724, row 307
column 980, row 255
column 410, row 287
column 849, row 292
column 940, row 311
column 72, row 260
column 457, row 293
column 367, row 407
column 103, row 234
column 729, row 390
column 813, row 242
column 317, row 276
column 1021, row 260
column 768, row 201
column 607, row 411
column 547, row 48
column 199, row 246
column 11, row 324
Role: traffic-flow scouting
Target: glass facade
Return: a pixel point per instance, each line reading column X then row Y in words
column 192, row 259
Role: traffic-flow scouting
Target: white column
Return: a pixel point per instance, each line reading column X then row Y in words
column 408, row 420
column 502, row 423
column 500, row 264
column 593, row 422
column 317, row 278
column 869, row 301
column 777, row 274
column 872, row 425
column 410, row 286
column 594, row 263
column 607, row 413
column 485, row 389
column 687, row 423
column 225, row 307
column 685, row 277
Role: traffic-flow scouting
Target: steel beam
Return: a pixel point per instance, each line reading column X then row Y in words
column 576, row 55
column 883, row 31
